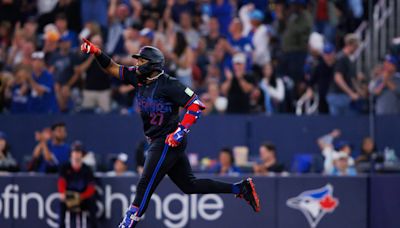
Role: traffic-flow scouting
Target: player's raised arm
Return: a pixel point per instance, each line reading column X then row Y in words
column 104, row 61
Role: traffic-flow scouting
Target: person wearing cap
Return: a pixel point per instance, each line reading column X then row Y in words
column 63, row 64
column 257, row 33
column 76, row 185
column 238, row 85
column 146, row 37
column 342, row 91
column 43, row 98
column 120, row 167
column 330, row 149
column 322, row 76
column 159, row 98
column 386, row 88
column 7, row 162
column 341, row 165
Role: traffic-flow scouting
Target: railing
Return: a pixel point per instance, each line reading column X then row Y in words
column 377, row 35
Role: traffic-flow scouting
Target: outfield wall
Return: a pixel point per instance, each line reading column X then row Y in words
column 114, row 133
column 28, row 200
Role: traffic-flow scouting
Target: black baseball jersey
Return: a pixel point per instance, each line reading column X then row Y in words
column 158, row 101
column 77, row 180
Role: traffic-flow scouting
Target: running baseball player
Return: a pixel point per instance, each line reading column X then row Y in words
column 159, row 97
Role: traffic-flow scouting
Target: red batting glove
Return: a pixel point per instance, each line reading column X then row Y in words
column 171, row 141
column 89, row 48
column 175, row 138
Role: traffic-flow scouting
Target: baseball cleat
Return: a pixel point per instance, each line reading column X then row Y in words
column 249, row 193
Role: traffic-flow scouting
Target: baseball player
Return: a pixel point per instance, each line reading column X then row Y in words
column 159, row 97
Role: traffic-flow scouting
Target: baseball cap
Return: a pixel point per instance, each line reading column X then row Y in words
column 256, row 15
column 123, row 158
column 146, row 32
column 37, row 55
column 328, row 48
column 339, row 145
column 239, row 58
column 339, row 155
column 392, row 59
column 78, row 146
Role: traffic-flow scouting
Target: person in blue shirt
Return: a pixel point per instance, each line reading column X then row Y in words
column 51, row 151
column 223, row 10
column 236, row 42
column 19, row 91
column 43, row 97
column 226, row 164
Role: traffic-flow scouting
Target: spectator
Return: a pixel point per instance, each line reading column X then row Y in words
column 43, row 98
column 268, row 160
column 226, row 164
column 329, row 151
column 176, row 7
column 121, row 166
column 322, row 76
column 182, row 59
column 273, row 89
column 223, row 11
column 97, row 91
column 325, row 19
column 213, row 33
column 21, row 50
column 94, row 10
column 61, row 23
column 119, row 20
column 18, row 90
column 342, row 91
column 146, row 37
column 64, row 69
column 295, row 40
column 186, row 27
column 238, row 85
column 76, row 186
column 386, row 88
column 236, row 42
column 7, row 162
column 51, row 151
column 153, row 9
column 341, row 165
column 257, row 32
column 369, row 152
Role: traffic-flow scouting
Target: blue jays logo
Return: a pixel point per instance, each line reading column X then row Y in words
column 314, row 204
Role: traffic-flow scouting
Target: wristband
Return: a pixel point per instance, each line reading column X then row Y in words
column 103, row 60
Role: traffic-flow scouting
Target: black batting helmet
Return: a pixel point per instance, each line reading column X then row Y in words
column 153, row 55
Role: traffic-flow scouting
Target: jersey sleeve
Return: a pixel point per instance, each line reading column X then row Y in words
column 179, row 94
column 128, row 75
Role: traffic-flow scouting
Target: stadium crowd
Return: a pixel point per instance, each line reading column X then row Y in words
column 261, row 56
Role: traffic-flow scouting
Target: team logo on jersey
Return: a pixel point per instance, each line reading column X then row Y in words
column 315, row 203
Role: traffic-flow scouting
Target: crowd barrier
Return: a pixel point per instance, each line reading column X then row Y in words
column 28, row 200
